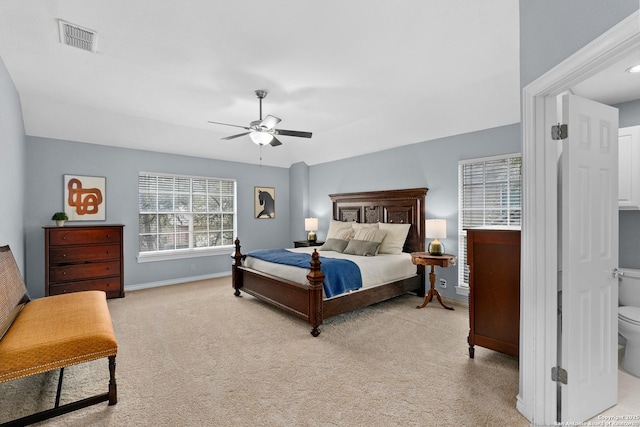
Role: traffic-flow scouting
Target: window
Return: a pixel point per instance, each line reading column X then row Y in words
column 184, row 215
column 490, row 196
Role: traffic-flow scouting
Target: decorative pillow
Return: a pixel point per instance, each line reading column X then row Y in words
column 335, row 227
column 359, row 225
column 370, row 235
column 394, row 240
column 336, row 245
column 362, row 248
column 344, row 234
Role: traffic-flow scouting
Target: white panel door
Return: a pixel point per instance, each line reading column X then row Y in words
column 589, row 232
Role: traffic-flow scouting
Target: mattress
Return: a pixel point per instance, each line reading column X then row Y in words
column 375, row 271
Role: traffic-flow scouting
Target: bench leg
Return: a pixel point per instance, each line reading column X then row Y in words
column 59, row 391
column 111, row 396
column 113, row 387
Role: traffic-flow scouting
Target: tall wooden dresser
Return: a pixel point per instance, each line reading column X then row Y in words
column 493, row 257
column 82, row 258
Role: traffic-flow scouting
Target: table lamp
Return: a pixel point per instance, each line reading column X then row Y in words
column 436, row 229
column 311, row 225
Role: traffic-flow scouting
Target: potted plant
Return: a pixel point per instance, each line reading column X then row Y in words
column 60, row 218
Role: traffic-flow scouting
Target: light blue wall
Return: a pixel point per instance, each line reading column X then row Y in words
column 48, row 160
column 12, row 168
column 299, row 190
column 629, row 113
column 431, row 164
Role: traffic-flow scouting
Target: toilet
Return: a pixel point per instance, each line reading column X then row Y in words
column 629, row 320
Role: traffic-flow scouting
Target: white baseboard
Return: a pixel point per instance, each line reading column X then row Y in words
column 139, row 286
column 462, row 290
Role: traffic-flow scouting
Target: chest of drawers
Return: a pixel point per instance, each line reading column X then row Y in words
column 82, row 258
column 494, row 290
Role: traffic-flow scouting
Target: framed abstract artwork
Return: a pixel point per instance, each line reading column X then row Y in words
column 264, row 202
column 85, row 198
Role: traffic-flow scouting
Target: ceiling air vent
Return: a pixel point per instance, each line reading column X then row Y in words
column 75, row 36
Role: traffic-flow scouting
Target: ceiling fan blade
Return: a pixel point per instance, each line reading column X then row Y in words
column 292, row 133
column 236, row 136
column 269, row 122
column 275, row 142
column 227, row 124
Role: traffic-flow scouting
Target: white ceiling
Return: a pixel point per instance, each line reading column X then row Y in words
column 362, row 75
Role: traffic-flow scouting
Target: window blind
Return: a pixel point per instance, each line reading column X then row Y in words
column 489, row 196
column 185, row 213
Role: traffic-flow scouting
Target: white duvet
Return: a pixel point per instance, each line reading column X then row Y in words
column 375, row 270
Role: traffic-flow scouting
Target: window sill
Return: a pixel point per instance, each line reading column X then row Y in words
column 183, row 254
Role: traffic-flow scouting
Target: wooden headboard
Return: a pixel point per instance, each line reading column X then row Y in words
column 391, row 206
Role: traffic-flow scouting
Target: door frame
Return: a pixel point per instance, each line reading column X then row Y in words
column 537, row 397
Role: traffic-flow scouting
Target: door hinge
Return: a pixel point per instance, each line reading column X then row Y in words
column 559, row 132
column 558, row 374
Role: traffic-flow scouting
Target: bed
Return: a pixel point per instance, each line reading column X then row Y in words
column 308, row 300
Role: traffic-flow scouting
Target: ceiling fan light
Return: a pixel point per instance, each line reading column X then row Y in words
column 634, row 69
column 261, row 138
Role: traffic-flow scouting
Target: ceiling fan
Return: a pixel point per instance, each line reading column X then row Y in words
column 263, row 131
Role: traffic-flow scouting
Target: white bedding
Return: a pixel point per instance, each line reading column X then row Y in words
column 375, row 270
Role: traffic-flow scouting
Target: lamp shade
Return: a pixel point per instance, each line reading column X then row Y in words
column 261, row 138
column 310, row 224
column 436, row 228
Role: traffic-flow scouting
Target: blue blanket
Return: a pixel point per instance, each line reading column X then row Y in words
column 340, row 275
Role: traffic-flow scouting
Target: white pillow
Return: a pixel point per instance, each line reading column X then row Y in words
column 370, row 235
column 394, row 240
column 335, row 227
column 359, row 225
column 344, row 234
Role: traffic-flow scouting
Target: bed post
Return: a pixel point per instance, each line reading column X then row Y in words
column 316, row 278
column 236, row 274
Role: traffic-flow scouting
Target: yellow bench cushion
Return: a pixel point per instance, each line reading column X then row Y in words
column 57, row 331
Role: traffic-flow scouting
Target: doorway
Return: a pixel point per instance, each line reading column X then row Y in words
column 537, row 398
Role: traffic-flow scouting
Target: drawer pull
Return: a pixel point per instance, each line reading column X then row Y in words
column 64, row 255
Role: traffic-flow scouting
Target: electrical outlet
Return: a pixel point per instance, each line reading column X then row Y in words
column 443, row 283
column 193, row 267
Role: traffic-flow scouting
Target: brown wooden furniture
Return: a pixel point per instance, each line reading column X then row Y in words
column 306, row 243
column 84, row 258
column 494, row 290
column 425, row 258
column 306, row 301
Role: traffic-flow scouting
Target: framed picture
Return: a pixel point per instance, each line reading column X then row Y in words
column 85, row 198
column 264, row 202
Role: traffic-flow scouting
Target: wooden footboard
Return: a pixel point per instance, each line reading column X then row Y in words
column 303, row 301
column 306, row 301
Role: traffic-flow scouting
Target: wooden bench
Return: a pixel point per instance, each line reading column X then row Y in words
column 51, row 333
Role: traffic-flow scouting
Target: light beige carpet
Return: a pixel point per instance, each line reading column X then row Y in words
column 195, row 355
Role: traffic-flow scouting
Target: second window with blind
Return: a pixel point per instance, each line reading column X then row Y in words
column 489, row 196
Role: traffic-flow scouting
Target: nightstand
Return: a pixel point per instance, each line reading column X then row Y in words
column 306, row 243
column 425, row 258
